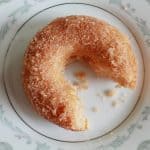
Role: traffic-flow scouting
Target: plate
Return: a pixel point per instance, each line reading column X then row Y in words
column 112, row 120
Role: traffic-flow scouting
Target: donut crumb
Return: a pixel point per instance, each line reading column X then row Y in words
column 114, row 103
column 95, row 109
column 80, row 75
column 84, row 84
column 81, row 84
column 111, row 92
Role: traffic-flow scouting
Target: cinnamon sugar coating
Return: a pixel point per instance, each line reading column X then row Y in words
column 101, row 45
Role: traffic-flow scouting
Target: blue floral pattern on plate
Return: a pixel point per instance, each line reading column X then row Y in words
column 119, row 140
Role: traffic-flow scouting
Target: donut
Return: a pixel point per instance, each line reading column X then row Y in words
column 107, row 51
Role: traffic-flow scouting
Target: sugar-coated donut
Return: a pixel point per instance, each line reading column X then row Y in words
column 101, row 45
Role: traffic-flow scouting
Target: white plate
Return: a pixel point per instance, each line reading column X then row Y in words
column 110, row 127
